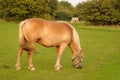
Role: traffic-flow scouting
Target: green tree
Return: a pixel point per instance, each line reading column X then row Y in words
column 17, row 10
column 100, row 11
column 53, row 7
column 64, row 11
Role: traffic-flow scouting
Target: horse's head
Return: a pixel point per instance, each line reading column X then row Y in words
column 77, row 60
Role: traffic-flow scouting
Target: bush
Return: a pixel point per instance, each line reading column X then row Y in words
column 100, row 12
column 17, row 10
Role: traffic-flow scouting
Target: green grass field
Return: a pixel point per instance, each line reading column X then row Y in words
column 101, row 56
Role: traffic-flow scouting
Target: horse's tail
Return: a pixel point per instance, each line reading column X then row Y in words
column 21, row 35
column 24, row 43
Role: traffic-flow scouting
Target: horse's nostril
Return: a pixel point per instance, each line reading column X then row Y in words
column 78, row 66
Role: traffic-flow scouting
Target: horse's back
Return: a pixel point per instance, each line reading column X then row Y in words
column 55, row 33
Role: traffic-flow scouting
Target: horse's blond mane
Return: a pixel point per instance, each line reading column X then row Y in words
column 75, row 35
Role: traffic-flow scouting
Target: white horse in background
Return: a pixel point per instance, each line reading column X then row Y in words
column 74, row 20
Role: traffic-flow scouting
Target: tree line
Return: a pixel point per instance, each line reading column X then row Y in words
column 17, row 10
column 105, row 12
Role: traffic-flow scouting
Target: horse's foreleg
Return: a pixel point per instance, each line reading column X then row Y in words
column 30, row 65
column 59, row 50
column 20, row 51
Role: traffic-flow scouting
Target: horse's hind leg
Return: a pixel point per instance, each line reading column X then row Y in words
column 30, row 64
column 20, row 51
column 59, row 50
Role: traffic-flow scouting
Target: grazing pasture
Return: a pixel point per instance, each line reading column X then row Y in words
column 101, row 47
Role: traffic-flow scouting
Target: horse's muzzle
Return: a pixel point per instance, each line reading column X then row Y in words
column 77, row 64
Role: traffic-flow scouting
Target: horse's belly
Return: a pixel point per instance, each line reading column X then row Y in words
column 48, row 43
column 54, row 39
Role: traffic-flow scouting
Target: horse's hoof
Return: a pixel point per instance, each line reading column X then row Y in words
column 18, row 68
column 57, row 68
column 31, row 68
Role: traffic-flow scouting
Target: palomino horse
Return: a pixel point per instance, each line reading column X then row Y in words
column 49, row 34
